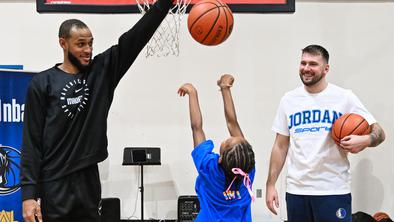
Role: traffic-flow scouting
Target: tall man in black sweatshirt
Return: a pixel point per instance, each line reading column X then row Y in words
column 65, row 123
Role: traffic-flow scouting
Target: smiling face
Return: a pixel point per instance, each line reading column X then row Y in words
column 313, row 68
column 78, row 48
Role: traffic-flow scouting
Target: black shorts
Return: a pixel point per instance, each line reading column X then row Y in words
column 75, row 197
column 326, row 208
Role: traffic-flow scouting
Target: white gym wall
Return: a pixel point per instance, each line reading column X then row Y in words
column 262, row 53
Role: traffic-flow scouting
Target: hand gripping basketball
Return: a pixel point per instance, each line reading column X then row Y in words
column 349, row 124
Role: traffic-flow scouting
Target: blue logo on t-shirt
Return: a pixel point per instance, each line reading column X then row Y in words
column 301, row 120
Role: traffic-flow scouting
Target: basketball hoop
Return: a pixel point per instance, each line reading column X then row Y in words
column 165, row 41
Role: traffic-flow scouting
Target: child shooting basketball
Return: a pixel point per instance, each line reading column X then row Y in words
column 224, row 182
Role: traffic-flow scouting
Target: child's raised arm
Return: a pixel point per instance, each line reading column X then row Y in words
column 225, row 83
column 195, row 113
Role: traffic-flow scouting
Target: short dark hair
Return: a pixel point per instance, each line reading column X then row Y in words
column 239, row 156
column 67, row 25
column 317, row 50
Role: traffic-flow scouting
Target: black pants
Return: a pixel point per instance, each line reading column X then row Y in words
column 319, row 208
column 75, row 197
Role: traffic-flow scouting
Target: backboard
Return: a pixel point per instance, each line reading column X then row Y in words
column 130, row 6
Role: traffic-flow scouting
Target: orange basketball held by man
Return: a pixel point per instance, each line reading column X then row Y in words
column 349, row 124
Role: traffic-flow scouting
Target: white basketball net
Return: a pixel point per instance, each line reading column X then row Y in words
column 165, row 41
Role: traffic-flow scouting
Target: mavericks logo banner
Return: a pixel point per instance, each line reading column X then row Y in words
column 13, row 88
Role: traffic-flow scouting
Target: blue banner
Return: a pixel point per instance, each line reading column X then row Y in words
column 13, row 88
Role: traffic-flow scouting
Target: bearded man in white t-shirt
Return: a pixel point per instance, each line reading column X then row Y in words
column 318, row 178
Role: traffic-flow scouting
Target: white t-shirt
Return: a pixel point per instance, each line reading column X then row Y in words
column 315, row 164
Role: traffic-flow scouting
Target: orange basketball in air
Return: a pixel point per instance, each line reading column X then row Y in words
column 349, row 124
column 210, row 22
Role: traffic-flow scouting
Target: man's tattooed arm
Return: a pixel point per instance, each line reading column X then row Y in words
column 377, row 135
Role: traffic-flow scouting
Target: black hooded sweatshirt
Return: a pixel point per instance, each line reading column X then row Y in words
column 65, row 120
